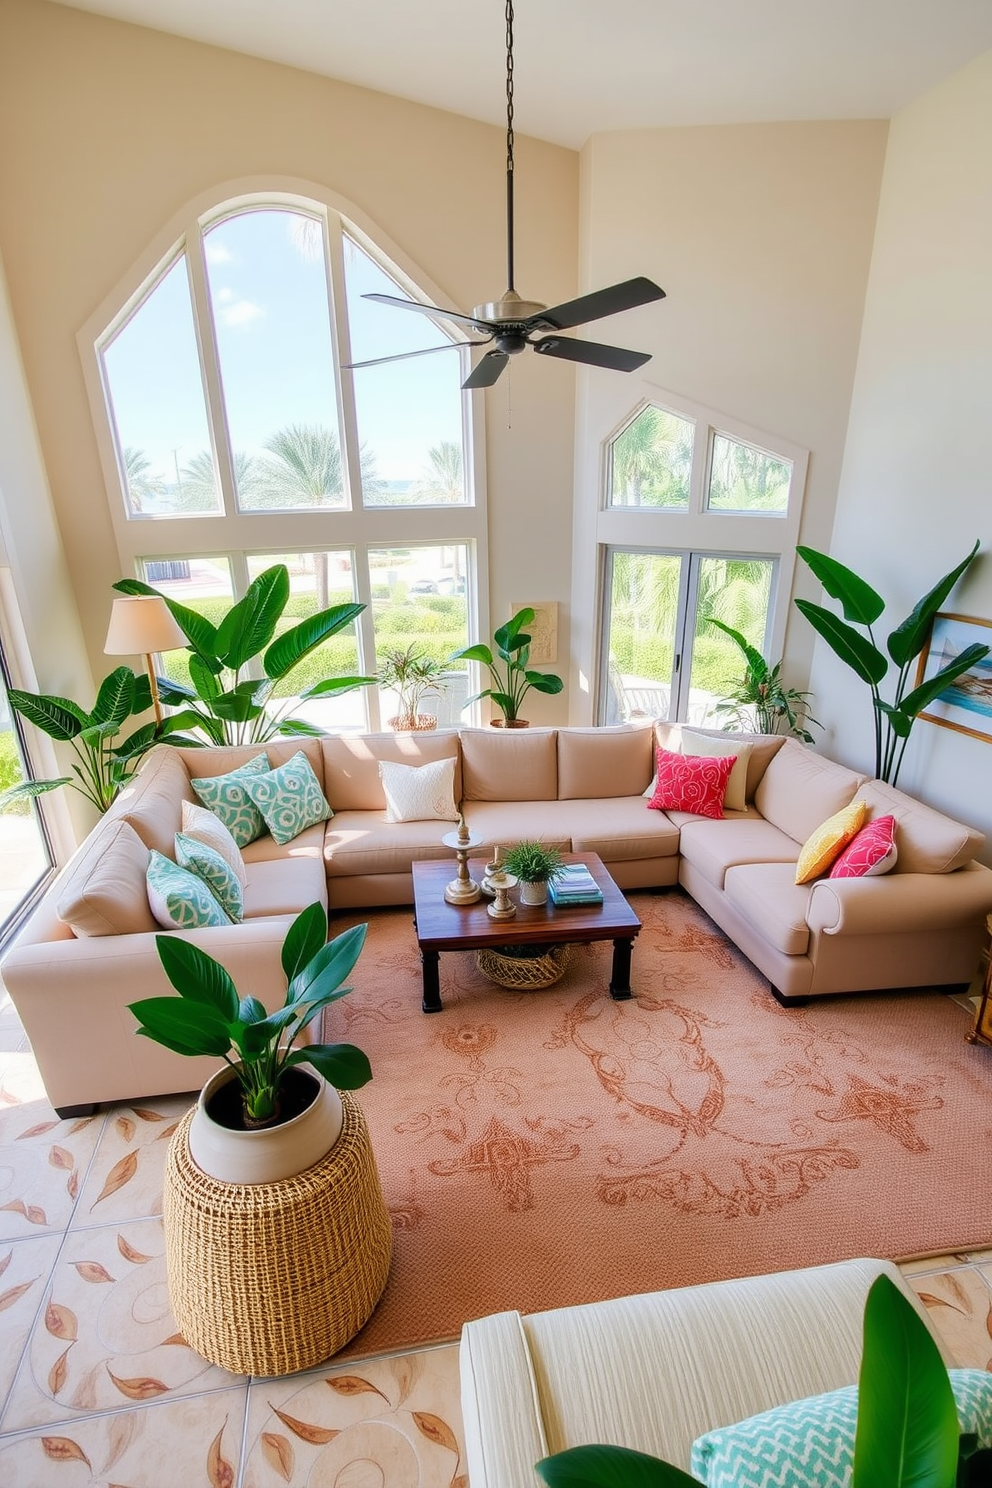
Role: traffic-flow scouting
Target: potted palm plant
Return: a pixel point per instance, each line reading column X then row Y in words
column 510, row 671
column 412, row 673
column 273, row 1110
column 760, row 702
column 535, row 865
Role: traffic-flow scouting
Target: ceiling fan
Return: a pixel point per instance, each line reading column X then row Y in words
column 512, row 322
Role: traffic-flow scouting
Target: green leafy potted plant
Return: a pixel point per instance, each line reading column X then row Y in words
column 535, row 865
column 105, row 762
column 760, row 702
column 512, row 676
column 235, row 666
column 411, row 672
column 907, row 1434
column 862, row 606
column 274, row 1109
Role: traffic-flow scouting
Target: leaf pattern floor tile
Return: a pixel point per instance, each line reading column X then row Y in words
column 125, row 1178
column 43, row 1164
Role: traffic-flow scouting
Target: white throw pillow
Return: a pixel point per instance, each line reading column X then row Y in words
column 735, row 797
column 419, row 792
column 203, row 826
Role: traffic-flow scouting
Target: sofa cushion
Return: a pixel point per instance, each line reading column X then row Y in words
column 929, row 842
column 715, row 847
column 509, row 765
column 226, row 798
column 871, row 853
column 203, row 826
column 764, row 747
column 419, row 792
column 768, row 896
column 623, row 829
column 362, row 842
column 103, row 891
column 152, row 801
column 289, row 798
column 693, row 783
column 216, row 872
column 800, row 789
column 180, row 900
column 351, row 764
column 600, row 762
column 309, row 844
column 281, row 886
column 827, row 841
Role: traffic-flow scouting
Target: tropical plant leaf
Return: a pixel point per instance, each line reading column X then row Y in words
column 182, row 1026
column 254, row 1038
column 30, row 788
column 756, row 662
column 299, row 728
column 305, row 937
column 860, row 601
column 251, row 1010
column 329, row 967
column 115, row 699
column 250, row 624
column 921, row 697
column 546, row 682
column 196, row 976
column 58, row 717
column 237, row 706
column 610, row 1467
column 291, row 647
column 175, row 692
column 907, row 1429
column 900, row 721
column 336, row 685
column 342, row 1065
column 478, row 652
column 850, row 645
column 96, row 734
column 909, row 639
column 205, row 678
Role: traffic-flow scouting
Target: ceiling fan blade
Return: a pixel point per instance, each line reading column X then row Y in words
column 625, row 296
column 593, row 353
column 404, row 356
column 384, row 299
column 487, row 371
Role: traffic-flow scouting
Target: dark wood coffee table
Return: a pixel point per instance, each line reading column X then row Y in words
column 442, row 926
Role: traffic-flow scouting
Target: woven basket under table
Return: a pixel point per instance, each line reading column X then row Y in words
column 271, row 1278
column 524, row 973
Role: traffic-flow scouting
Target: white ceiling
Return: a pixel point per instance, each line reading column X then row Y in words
column 583, row 66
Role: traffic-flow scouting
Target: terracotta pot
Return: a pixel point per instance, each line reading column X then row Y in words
column 265, row 1154
column 533, row 893
column 509, row 723
column 422, row 724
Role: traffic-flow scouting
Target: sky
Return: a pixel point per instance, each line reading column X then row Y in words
column 268, row 289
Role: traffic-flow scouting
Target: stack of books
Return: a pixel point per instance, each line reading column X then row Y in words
column 575, row 886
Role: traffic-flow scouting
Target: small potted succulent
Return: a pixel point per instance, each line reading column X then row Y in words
column 273, row 1110
column 411, row 673
column 535, row 865
column 512, row 677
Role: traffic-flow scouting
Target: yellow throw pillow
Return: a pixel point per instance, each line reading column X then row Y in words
column 829, row 840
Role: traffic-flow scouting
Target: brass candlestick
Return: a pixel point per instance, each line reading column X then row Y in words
column 462, row 889
column 502, row 907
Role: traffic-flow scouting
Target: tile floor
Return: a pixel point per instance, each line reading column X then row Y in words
column 97, row 1388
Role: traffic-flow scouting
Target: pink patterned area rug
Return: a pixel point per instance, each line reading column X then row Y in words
column 539, row 1149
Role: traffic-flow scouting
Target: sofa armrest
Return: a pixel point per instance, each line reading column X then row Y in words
column 898, row 901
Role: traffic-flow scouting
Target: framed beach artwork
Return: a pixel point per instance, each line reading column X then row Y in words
column 966, row 703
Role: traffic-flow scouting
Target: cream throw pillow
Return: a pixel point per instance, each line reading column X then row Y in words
column 419, row 792
column 735, row 798
column 203, row 826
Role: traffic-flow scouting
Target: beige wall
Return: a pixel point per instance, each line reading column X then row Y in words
column 108, row 130
column 915, row 488
column 761, row 236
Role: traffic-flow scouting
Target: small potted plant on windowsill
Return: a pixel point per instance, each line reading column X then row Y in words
column 514, row 678
column 535, row 865
column 412, row 673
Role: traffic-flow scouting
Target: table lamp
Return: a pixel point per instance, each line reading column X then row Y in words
column 139, row 625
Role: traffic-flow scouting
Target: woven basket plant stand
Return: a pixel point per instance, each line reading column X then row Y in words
column 271, row 1278
column 524, row 973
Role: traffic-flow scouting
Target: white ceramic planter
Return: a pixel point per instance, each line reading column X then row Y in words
column 268, row 1153
column 533, row 893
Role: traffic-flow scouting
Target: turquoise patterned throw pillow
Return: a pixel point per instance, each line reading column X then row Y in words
column 225, row 795
column 178, row 899
column 290, row 798
column 217, row 874
column 810, row 1443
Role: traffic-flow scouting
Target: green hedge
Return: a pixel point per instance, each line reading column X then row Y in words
column 11, row 773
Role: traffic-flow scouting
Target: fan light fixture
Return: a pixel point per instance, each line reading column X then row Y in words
column 511, row 322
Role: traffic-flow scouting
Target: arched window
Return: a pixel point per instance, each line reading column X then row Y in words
column 255, row 408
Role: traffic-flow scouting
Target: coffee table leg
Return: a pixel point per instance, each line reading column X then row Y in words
column 620, row 979
column 432, row 988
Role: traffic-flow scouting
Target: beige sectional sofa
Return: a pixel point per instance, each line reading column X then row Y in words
column 89, row 948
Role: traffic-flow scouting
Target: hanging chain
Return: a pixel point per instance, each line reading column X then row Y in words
column 509, row 85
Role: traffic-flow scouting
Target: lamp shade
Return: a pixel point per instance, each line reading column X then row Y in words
column 140, row 624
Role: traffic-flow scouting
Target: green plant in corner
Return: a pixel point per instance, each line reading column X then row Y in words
column 907, row 1434
column 229, row 699
column 863, row 606
column 412, row 673
column 533, row 862
column 104, row 761
column 209, row 1017
column 512, row 677
column 760, row 702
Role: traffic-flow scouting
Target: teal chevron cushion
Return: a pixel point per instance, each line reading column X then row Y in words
column 289, row 798
column 810, row 1443
column 226, row 798
column 178, row 899
column 218, row 875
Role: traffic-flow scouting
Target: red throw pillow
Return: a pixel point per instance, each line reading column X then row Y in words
column 871, row 852
column 692, row 782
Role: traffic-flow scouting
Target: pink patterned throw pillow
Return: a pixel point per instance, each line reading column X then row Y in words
column 872, row 852
column 692, row 782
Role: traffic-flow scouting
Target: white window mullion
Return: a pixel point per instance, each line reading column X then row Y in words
column 366, row 633
column 351, row 467
column 212, row 386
